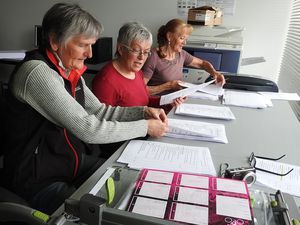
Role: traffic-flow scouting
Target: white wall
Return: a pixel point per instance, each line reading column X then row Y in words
column 265, row 24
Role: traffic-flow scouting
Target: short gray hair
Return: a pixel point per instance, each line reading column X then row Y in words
column 64, row 20
column 133, row 31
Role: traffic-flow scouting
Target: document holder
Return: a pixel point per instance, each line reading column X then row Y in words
column 249, row 83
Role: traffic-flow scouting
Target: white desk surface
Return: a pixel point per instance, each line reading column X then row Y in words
column 269, row 132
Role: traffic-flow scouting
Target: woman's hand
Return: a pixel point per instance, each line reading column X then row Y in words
column 157, row 128
column 175, row 84
column 178, row 101
column 219, row 78
column 155, row 113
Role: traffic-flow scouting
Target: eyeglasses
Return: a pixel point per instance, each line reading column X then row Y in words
column 252, row 161
column 138, row 52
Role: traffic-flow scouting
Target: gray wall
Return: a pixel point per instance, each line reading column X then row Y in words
column 265, row 24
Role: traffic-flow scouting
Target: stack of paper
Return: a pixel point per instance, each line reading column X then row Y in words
column 196, row 130
column 169, row 98
column 206, row 111
column 246, row 99
column 156, row 155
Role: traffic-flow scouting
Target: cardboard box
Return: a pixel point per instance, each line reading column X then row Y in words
column 205, row 15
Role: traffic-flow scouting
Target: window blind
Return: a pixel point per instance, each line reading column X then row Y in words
column 289, row 75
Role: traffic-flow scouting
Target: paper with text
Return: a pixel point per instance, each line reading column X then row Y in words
column 159, row 176
column 192, row 195
column 169, row 98
column 231, row 186
column 191, row 214
column 194, row 181
column 231, row 206
column 157, row 155
column 206, row 111
column 289, row 183
column 155, row 190
column 150, row 207
column 246, row 99
column 196, row 130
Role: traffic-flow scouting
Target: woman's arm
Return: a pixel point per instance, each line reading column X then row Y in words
column 43, row 89
column 170, row 85
column 208, row 67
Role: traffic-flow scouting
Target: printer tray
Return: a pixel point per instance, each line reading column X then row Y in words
column 249, row 83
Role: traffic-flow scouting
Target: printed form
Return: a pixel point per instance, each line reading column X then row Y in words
column 206, row 111
column 156, row 155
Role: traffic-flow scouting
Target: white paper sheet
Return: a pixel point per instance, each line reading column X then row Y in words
column 289, row 183
column 150, row 207
column 230, row 185
column 212, row 89
column 206, row 111
column 231, row 206
column 195, row 130
column 194, row 181
column 191, row 214
column 202, row 95
column 169, row 98
column 281, row 96
column 155, row 190
column 192, row 195
column 157, row 155
column 246, row 99
column 159, row 176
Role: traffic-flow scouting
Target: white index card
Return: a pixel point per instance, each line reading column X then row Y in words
column 192, row 195
column 191, row 214
column 194, row 181
column 155, row 190
column 150, row 207
column 231, row 186
column 232, row 206
column 159, row 176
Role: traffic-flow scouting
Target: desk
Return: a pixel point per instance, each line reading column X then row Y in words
column 268, row 132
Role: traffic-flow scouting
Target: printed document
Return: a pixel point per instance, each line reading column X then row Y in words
column 140, row 154
column 169, row 98
column 206, row 111
column 289, row 183
column 196, row 130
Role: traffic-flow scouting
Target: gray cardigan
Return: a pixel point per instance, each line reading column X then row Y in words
column 43, row 89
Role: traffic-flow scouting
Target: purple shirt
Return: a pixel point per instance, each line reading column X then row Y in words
column 159, row 71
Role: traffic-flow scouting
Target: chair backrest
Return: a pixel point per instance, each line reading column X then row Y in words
column 3, row 99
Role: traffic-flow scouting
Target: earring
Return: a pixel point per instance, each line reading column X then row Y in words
column 169, row 42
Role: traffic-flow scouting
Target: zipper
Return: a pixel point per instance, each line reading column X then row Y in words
column 74, row 152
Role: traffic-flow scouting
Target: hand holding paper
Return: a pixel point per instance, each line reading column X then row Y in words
column 169, row 98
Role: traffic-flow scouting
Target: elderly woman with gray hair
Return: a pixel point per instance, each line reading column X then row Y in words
column 55, row 122
column 120, row 82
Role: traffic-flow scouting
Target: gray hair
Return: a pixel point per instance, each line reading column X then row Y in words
column 133, row 31
column 63, row 21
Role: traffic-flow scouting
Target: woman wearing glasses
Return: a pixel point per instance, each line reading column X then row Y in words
column 163, row 69
column 120, row 82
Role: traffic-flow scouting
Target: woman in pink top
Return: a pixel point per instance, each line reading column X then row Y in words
column 163, row 68
column 120, row 82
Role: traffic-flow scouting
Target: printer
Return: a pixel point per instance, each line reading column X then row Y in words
column 220, row 45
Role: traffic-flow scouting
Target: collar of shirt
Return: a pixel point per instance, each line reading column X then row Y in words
column 72, row 75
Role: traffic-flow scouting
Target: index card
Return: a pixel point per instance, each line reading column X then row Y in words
column 150, row 207
column 231, row 206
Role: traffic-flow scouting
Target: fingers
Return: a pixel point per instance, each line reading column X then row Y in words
column 157, row 128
